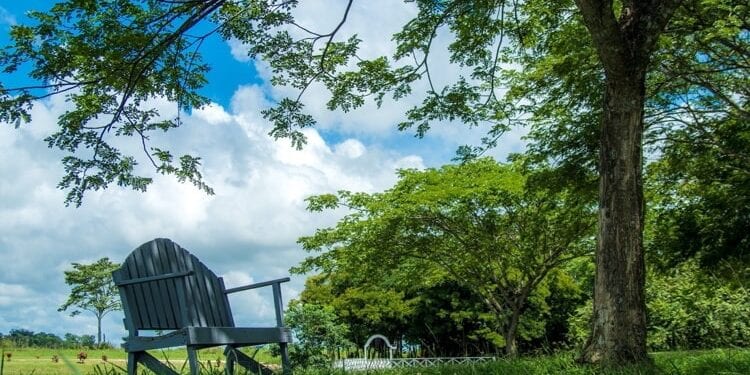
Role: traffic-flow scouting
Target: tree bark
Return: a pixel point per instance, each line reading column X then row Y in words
column 624, row 46
column 511, row 349
column 619, row 319
column 99, row 329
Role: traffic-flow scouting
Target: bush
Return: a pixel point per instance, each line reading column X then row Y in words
column 687, row 309
column 317, row 332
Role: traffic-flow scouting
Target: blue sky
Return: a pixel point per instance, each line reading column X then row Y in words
column 248, row 230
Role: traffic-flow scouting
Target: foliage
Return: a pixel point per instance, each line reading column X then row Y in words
column 701, row 124
column 479, row 224
column 92, row 290
column 682, row 363
column 109, row 59
column 23, row 338
column 443, row 319
column 688, row 309
column 317, row 333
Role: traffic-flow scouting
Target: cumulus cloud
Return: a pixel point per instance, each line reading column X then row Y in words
column 247, row 231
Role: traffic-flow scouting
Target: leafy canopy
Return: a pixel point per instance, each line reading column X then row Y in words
column 92, row 288
column 528, row 63
column 494, row 229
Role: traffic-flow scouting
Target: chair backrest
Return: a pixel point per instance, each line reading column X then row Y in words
column 193, row 298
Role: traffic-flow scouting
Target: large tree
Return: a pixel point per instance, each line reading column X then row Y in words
column 109, row 57
column 481, row 224
column 92, row 290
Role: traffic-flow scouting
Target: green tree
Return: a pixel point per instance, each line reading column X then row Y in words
column 481, row 224
column 93, row 290
column 585, row 61
column 700, row 121
column 317, row 332
column 363, row 299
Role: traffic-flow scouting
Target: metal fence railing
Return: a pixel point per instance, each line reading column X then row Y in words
column 381, row 363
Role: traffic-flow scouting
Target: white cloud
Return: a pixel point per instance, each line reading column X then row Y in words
column 213, row 114
column 350, row 148
column 238, row 50
column 374, row 23
column 247, row 231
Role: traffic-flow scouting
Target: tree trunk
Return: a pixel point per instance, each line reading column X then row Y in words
column 511, row 349
column 99, row 330
column 619, row 318
column 624, row 45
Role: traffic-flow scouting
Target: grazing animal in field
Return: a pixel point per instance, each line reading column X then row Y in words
column 104, row 357
column 82, row 357
column 55, row 359
column 8, row 355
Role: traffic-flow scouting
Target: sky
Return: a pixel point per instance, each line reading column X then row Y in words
column 247, row 231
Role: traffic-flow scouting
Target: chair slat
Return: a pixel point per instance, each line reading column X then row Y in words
column 151, row 321
column 170, row 293
column 158, row 288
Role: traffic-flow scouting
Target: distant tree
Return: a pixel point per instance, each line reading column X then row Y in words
column 46, row 340
column 92, row 290
column 87, row 341
column 76, row 342
column 71, row 340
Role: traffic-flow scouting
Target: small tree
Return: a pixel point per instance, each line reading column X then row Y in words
column 92, row 290
column 316, row 331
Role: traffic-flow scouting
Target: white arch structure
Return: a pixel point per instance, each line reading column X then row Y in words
column 391, row 347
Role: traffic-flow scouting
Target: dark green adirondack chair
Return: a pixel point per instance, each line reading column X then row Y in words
column 166, row 289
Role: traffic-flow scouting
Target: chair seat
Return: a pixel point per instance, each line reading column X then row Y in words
column 236, row 335
column 210, row 336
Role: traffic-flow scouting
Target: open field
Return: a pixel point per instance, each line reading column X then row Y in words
column 26, row 361
column 719, row 361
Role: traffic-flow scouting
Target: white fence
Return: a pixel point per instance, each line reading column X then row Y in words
column 381, row 363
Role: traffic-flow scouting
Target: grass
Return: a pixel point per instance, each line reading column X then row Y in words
column 39, row 361
column 718, row 361
column 708, row 362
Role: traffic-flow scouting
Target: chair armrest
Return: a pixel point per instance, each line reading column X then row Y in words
column 256, row 285
column 154, row 278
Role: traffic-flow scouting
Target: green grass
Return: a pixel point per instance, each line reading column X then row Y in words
column 709, row 362
column 36, row 361
column 718, row 361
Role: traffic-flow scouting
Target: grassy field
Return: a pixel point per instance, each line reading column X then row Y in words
column 709, row 362
column 27, row 361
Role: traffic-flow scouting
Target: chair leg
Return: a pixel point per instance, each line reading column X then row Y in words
column 132, row 363
column 286, row 367
column 230, row 359
column 195, row 368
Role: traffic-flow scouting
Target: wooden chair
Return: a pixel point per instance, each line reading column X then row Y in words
column 166, row 289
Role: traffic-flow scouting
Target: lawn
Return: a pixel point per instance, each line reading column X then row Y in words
column 26, row 361
column 718, row 361
column 707, row 362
